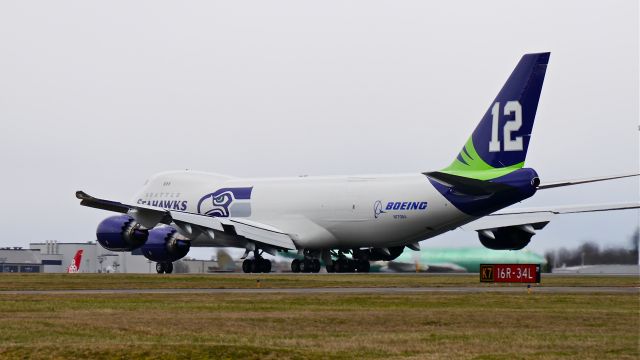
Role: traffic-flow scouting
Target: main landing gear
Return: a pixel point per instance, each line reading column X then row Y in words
column 256, row 265
column 344, row 265
column 164, row 267
column 359, row 262
column 311, row 263
column 305, row 265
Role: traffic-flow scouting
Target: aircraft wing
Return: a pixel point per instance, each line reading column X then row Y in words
column 537, row 218
column 190, row 223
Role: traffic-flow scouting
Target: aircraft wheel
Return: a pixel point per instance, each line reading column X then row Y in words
column 246, row 266
column 330, row 268
column 347, row 266
column 316, row 265
column 364, row 266
column 255, row 266
column 295, row 266
column 168, row 268
column 310, row 265
column 352, row 265
column 160, row 268
column 340, row 265
column 265, row 265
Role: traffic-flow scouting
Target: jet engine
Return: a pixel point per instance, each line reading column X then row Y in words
column 121, row 233
column 507, row 238
column 165, row 245
column 377, row 254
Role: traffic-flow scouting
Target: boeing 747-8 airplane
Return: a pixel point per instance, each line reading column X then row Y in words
column 370, row 217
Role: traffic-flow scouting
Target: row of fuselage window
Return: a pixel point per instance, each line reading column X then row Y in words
column 161, row 194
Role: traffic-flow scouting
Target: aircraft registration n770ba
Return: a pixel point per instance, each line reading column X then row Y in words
column 369, row 217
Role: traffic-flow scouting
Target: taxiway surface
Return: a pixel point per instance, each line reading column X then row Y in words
column 345, row 290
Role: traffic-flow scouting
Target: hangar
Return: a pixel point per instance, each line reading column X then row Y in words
column 55, row 257
column 16, row 259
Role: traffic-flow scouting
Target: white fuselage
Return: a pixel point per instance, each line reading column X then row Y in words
column 318, row 212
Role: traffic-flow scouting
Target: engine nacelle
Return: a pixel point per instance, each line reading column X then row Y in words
column 506, row 238
column 121, row 233
column 164, row 244
column 376, row 254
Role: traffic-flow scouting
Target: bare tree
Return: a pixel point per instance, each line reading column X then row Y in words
column 589, row 253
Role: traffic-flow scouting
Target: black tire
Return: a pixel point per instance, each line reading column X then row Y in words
column 265, row 266
column 316, row 266
column 309, row 265
column 160, row 268
column 168, row 268
column 255, row 266
column 246, row 266
column 330, row 268
column 340, row 265
column 352, row 265
column 304, row 266
column 295, row 266
column 363, row 266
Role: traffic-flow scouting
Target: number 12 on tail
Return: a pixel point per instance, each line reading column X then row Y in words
column 511, row 107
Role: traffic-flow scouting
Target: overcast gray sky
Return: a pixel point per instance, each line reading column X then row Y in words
column 98, row 95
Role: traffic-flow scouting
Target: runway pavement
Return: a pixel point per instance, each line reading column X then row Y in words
column 344, row 290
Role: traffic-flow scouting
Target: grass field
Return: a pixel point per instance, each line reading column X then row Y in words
column 227, row 281
column 315, row 326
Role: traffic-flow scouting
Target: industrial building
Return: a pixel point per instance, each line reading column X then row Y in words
column 17, row 259
column 55, row 257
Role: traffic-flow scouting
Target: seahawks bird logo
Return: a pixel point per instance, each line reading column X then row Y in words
column 221, row 204
column 227, row 202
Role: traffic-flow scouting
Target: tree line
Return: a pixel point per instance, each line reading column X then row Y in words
column 590, row 253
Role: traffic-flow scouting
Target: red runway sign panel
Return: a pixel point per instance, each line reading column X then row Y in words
column 510, row 273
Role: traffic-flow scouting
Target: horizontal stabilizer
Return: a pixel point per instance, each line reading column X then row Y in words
column 582, row 181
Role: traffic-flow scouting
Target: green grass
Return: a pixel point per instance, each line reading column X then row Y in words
column 320, row 326
column 176, row 281
column 313, row 326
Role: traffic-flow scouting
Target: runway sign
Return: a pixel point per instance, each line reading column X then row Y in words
column 510, row 273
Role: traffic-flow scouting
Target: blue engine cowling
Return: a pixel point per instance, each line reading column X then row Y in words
column 121, row 233
column 164, row 244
